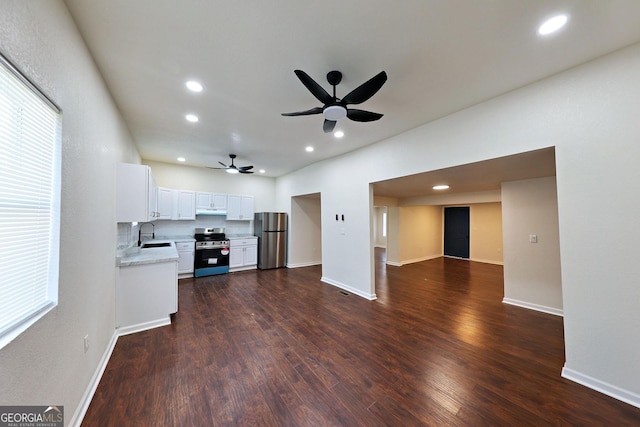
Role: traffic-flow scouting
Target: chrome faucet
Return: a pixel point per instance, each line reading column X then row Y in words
column 153, row 233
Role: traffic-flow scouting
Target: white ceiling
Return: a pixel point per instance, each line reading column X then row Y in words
column 440, row 57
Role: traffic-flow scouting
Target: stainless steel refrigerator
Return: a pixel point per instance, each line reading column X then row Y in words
column 271, row 229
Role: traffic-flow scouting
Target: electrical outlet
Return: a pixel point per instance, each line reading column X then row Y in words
column 533, row 238
column 86, row 343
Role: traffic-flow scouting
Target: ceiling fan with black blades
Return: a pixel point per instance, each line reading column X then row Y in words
column 232, row 168
column 335, row 108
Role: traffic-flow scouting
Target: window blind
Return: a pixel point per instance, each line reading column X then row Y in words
column 30, row 140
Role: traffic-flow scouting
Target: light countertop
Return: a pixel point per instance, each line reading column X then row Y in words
column 241, row 236
column 137, row 256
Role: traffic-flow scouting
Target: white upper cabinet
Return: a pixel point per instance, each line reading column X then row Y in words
column 184, row 204
column 211, row 203
column 239, row 208
column 136, row 194
column 176, row 204
column 165, row 203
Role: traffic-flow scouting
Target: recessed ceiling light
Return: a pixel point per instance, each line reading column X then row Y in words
column 552, row 25
column 338, row 134
column 192, row 118
column 441, row 187
column 181, row 159
column 309, row 149
column 262, row 171
column 194, row 86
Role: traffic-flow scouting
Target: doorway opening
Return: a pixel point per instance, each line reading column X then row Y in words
column 456, row 232
column 305, row 223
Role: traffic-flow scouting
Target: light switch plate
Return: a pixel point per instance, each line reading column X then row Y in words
column 533, row 238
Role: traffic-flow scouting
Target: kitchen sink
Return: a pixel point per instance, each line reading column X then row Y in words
column 155, row 245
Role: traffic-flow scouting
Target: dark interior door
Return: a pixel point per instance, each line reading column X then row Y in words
column 456, row 232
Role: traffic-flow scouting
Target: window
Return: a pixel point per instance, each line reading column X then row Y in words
column 384, row 224
column 30, row 140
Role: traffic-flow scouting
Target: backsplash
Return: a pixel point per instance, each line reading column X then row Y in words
column 187, row 228
column 128, row 233
column 125, row 236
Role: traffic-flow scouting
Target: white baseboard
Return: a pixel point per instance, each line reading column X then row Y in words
column 303, row 264
column 414, row 260
column 358, row 292
column 85, row 401
column 143, row 326
column 601, row 386
column 80, row 412
column 536, row 307
column 243, row 268
column 487, row 261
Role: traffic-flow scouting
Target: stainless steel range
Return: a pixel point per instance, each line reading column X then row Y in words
column 212, row 252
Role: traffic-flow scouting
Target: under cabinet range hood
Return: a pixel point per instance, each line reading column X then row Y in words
column 211, row 211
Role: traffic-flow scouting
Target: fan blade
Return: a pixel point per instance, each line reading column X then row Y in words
column 223, row 164
column 315, row 110
column 362, row 116
column 366, row 90
column 244, row 171
column 315, row 89
column 328, row 125
column 245, row 168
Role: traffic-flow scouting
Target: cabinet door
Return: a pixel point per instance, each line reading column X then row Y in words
column 239, row 207
column 204, row 200
column 165, row 203
column 251, row 255
column 234, row 206
column 236, row 256
column 152, row 194
column 186, row 204
column 219, row 201
column 136, row 193
column 185, row 261
column 246, row 208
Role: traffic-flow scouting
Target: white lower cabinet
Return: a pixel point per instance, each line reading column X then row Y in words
column 186, row 254
column 243, row 254
column 146, row 295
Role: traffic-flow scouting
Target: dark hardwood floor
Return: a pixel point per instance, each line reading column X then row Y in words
column 281, row 348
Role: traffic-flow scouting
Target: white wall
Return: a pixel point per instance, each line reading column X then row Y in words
column 217, row 181
column 532, row 276
column 485, row 239
column 419, row 234
column 47, row 363
column 590, row 115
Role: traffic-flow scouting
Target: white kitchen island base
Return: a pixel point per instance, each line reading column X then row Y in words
column 146, row 296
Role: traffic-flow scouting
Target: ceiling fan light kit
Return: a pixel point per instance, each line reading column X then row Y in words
column 334, row 108
column 232, row 168
column 334, row 112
